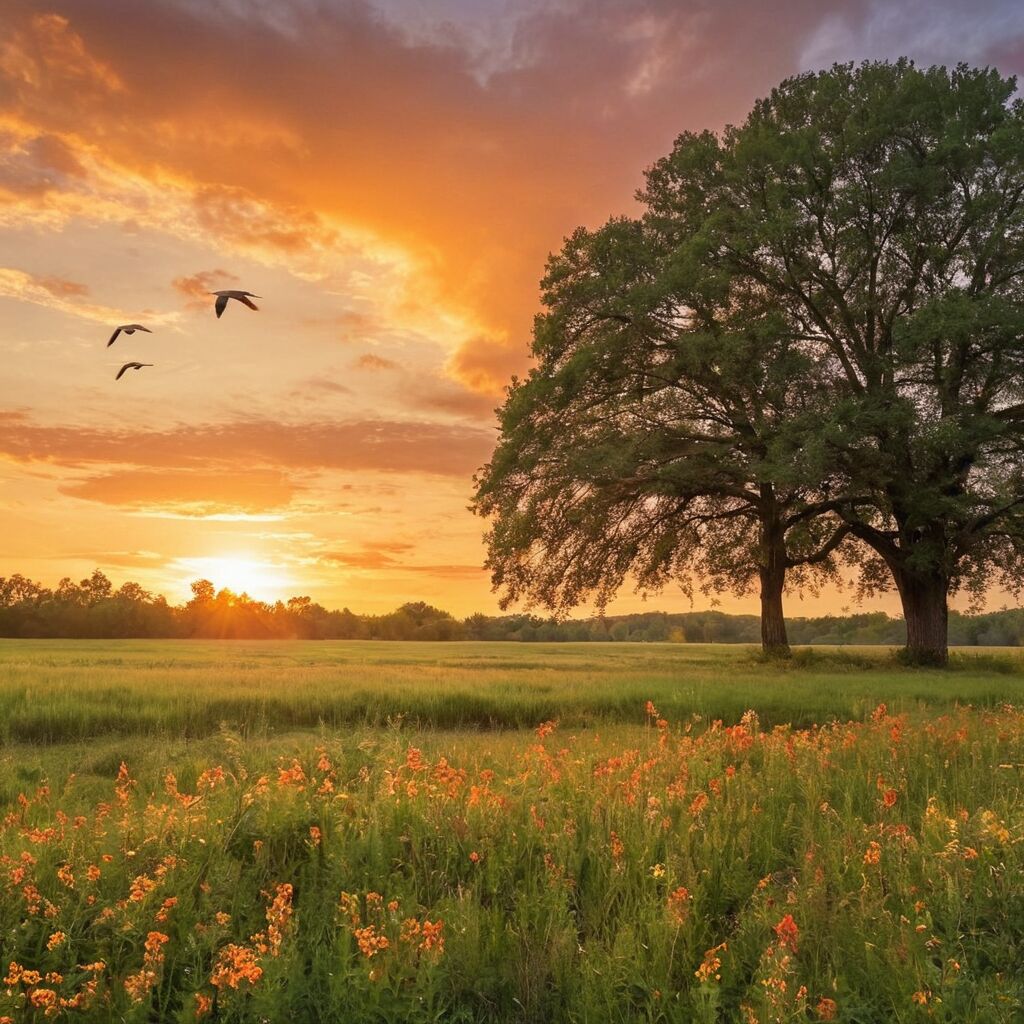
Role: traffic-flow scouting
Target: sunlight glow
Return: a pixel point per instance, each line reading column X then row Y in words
column 260, row 580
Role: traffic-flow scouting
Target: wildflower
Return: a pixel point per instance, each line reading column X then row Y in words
column 370, row 941
column 788, row 933
column 700, row 801
column 710, row 966
column 211, row 778
column 433, row 936
column 475, row 857
column 222, row 918
column 278, row 915
column 93, row 873
column 141, row 887
column 203, row 1005
column 138, row 985
column 43, row 998
column 618, row 849
column 55, row 940
column 873, row 854
column 921, row 998
column 826, row 1008
column 657, row 870
column 166, row 907
column 315, row 835
column 66, row 876
column 235, row 965
column 889, row 797
column 545, row 729
column 677, row 903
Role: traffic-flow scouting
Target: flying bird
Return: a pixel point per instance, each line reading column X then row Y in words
column 128, row 329
column 130, row 366
column 233, row 293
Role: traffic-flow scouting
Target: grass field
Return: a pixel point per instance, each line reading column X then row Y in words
column 485, row 832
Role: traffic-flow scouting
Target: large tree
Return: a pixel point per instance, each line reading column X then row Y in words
column 656, row 436
column 881, row 208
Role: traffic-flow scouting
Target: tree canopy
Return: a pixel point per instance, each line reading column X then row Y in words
column 813, row 332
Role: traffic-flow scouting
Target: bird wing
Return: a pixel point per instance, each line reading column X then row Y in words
column 245, row 298
column 222, row 301
column 120, row 373
column 139, row 327
column 113, row 337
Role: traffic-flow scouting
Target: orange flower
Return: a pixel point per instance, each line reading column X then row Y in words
column 369, row 941
column 708, row 969
column 55, row 940
column 889, row 797
column 618, row 849
column 873, row 854
column 677, row 901
column 475, row 857
column 788, row 933
column 235, row 965
column 433, row 937
column 315, row 835
column 43, row 998
column 203, row 1005
column 826, row 1008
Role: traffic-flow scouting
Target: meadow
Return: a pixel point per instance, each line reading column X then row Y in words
column 378, row 832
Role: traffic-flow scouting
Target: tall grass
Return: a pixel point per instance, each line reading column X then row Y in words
column 53, row 692
column 671, row 871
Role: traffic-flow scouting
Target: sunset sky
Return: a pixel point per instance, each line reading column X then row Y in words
column 389, row 176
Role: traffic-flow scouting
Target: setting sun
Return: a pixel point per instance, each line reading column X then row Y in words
column 260, row 580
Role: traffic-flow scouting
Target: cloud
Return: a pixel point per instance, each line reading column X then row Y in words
column 61, row 288
column 373, row 445
column 373, row 146
column 55, row 293
column 369, row 361
column 188, row 492
column 380, row 557
column 196, row 288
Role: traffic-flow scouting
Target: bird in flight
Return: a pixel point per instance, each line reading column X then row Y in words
column 130, row 366
column 128, row 329
column 232, row 293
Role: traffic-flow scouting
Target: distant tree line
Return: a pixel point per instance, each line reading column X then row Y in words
column 93, row 608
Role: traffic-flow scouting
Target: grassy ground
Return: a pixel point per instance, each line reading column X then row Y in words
column 327, row 832
column 55, row 691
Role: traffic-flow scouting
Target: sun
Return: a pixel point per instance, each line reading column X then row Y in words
column 260, row 580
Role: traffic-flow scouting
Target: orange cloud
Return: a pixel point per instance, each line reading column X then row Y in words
column 474, row 164
column 56, row 293
column 197, row 288
column 188, row 492
column 372, row 445
column 369, row 361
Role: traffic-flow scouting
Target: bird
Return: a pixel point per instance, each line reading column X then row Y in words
column 233, row 293
column 128, row 329
column 130, row 366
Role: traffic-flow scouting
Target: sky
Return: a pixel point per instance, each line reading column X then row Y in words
column 389, row 176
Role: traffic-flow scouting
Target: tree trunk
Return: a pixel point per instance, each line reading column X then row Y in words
column 773, row 622
column 926, row 611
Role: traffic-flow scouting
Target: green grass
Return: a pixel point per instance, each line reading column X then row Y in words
column 55, row 691
column 837, row 859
